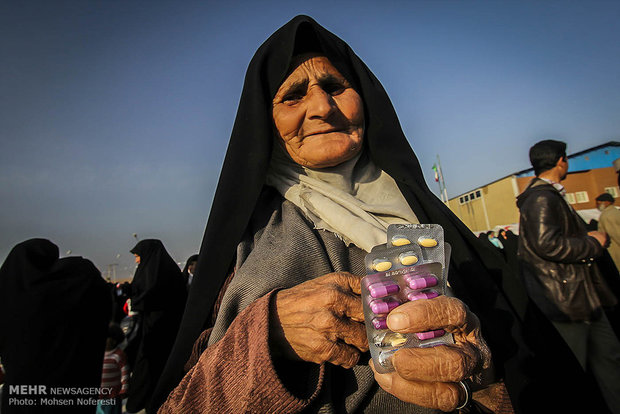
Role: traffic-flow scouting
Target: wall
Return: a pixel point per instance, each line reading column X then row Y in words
column 493, row 205
column 501, row 202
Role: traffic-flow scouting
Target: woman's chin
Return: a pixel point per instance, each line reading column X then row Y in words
column 329, row 155
column 330, row 161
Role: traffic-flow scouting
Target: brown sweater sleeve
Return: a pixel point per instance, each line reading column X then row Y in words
column 237, row 374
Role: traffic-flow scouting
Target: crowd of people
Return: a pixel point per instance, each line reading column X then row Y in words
column 273, row 321
column 64, row 327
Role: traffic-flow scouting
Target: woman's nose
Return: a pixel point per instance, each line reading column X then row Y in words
column 319, row 103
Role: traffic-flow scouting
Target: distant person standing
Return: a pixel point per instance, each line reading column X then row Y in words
column 557, row 263
column 158, row 294
column 188, row 270
column 609, row 222
column 495, row 241
column 54, row 316
column 510, row 242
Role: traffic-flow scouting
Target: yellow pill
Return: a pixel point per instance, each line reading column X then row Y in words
column 400, row 241
column 408, row 259
column 382, row 266
column 398, row 341
column 390, row 339
column 427, row 242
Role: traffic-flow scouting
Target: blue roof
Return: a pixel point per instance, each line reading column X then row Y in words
column 598, row 157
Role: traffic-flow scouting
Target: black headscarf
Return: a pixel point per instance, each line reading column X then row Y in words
column 157, row 283
column 158, row 293
column 54, row 316
column 189, row 261
column 193, row 258
column 477, row 271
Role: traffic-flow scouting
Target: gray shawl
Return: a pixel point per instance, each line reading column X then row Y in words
column 283, row 250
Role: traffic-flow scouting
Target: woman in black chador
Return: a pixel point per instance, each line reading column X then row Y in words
column 54, row 316
column 189, row 269
column 158, row 294
column 274, row 320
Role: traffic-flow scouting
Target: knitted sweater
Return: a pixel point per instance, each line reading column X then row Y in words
column 237, row 374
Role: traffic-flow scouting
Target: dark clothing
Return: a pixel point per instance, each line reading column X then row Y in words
column 612, row 277
column 54, row 316
column 558, row 262
column 118, row 302
column 557, row 257
column 157, row 283
column 158, row 294
column 596, row 346
column 510, row 242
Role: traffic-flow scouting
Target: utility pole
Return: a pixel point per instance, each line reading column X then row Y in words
column 111, row 272
column 443, row 191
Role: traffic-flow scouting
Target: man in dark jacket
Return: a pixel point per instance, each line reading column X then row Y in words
column 557, row 263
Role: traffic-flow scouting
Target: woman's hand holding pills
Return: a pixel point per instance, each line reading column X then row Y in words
column 321, row 320
column 429, row 376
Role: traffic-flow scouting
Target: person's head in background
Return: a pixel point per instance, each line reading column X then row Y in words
column 604, row 200
column 549, row 160
column 191, row 264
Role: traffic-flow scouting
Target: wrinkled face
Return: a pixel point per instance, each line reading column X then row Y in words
column 318, row 115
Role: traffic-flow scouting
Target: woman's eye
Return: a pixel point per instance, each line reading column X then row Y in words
column 334, row 88
column 292, row 97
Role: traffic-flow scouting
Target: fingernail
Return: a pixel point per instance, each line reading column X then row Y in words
column 397, row 321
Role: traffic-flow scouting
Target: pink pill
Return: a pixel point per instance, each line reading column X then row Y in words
column 381, row 289
column 422, row 336
column 380, row 306
column 430, row 294
column 422, row 282
column 379, row 323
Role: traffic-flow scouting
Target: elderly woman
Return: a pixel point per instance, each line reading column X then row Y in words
column 316, row 169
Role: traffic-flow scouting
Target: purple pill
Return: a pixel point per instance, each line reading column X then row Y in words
column 422, row 336
column 381, row 289
column 380, row 306
column 379, row 323
column 430, row 294
column 422, row 282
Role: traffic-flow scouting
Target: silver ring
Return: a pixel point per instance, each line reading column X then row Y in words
column 467, row 394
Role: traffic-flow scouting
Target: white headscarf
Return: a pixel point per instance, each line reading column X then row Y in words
column 355, row 200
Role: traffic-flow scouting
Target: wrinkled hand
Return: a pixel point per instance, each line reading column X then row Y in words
column 321, row 320
column 429, row 376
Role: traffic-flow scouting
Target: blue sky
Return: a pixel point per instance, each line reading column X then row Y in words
column 115, row 115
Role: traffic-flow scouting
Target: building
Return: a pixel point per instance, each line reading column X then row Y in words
column 591, row 172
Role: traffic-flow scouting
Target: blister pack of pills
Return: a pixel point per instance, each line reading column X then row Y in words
column 410, row 267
